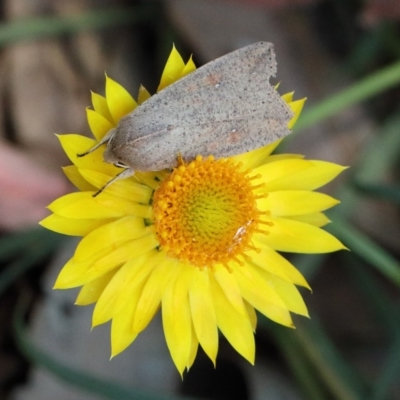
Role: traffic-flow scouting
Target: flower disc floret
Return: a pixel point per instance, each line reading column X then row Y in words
column 205, row 212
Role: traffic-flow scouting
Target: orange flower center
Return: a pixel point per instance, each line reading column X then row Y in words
column 205, row 212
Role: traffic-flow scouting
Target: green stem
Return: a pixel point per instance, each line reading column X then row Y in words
column 360, row 91
column 35, row 28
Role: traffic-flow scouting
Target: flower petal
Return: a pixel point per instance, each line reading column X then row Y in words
column 173, row 69
column 317, row 219
column 127, row 282
column 152, row 293
column 189, row 67
column 296, row 107
column 261, row 296
column 109, row 235
column 234, row 326
column 280, row 171
column 287, row 291
column 74, row 176
column 194, row 345
column 203, row 313
column 119, row 101
column 143, row 94
column 82, row 205
column 230, row 288
column 176, row 317
column 252, row 315
column 98, row 124
column 257, row 157
column 122, row 334
column 73, row 275
column 295, row 202
column 100, row 105
column 133, row 248
column 271, row 261
column 298, row 237
column 125, row 188
column 317, row 175
column 73, row 227
column 91, row 292
column 77, row 144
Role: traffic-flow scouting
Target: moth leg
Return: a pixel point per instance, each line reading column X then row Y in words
column 126, row 173
column 180, row 160
column 105, row 139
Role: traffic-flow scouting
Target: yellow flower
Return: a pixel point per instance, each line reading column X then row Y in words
column 200, row 242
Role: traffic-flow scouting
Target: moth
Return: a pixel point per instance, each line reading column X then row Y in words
column 223, row 108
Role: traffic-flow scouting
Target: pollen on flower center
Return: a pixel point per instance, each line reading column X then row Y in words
column 205, row 212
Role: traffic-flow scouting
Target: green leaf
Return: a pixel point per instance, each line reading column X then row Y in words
column 367, row 249
column 378, row 191
column 310, row 344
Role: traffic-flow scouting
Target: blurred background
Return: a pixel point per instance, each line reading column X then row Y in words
column 343, row 55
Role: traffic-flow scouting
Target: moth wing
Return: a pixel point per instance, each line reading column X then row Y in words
column 224, row 108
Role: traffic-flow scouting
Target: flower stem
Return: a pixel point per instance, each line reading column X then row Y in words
column 360, row 91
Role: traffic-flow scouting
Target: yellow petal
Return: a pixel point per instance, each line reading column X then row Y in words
column 73, row 227
column 72, row 173
column 176, row 317
column 295, row 202
column 77, row 144
column 296, row 107
column 143, row 94
column 287, row 97
column 100, row 105
column 73, row 275
column 297, row 237
column 109, row 236
column 319, row 174
column 203, row 313
column 119, row 101
column 188, row 68
column 126, row 188
column 271, row 261
column 122, row 334
column 230, row 288
column 280, row 171
column 287, row 291
column 172, row 70
column 257, row 157
column 194, row 345
column 278, row 157
column 123, row 206
column 234, row 326
column 153, row 290
column 261, row 296
column 252, row 315
column 82, row 205
column 127, row 283
column 133, row 248
column 91, row 292
column 317, row 219
column 98, row 124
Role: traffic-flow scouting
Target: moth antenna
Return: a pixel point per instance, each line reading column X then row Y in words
column 126, row 173
column 105, row 140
